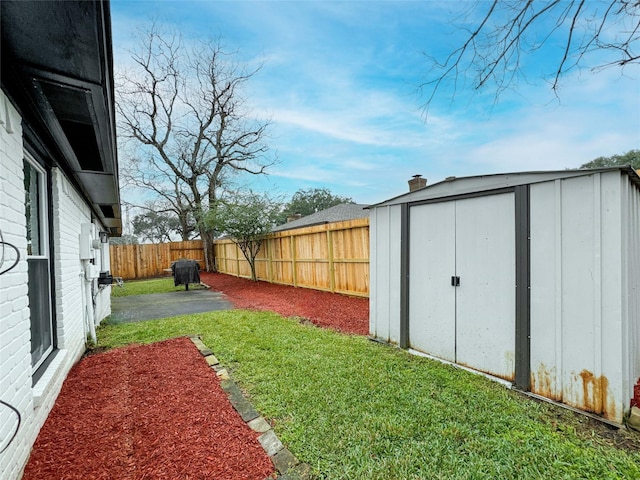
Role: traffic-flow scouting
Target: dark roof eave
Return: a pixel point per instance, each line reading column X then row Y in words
column 57, row 69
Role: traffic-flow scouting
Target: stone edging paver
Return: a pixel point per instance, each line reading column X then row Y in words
column 287, row 465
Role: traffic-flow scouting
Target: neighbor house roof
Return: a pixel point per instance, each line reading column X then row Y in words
column 57, row 68
column 337, row 213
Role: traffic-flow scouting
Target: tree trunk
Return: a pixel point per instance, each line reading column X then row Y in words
column 209, row 252
column 184, row 226
column 252, row 264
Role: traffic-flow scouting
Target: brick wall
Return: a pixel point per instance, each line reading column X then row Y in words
column 15, row 351
column 69, row 212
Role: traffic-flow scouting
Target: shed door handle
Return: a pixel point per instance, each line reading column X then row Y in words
column 455, row 281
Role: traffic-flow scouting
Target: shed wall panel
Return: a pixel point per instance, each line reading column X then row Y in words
column 546, row 282
column 630, row 291
column 384, row 305
column 578, row 290
column 610, row 366
column 375, row 297
column 395, row 247
column 576, row 317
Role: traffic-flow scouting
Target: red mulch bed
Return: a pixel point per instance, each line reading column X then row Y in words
column 341, row 312
column 146, row 412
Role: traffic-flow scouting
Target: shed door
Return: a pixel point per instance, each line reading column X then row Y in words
column 474, row 323
column 432, row 320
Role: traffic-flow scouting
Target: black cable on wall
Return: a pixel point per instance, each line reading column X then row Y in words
column 2, row 402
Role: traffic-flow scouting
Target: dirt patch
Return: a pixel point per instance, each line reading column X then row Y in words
column 598, row 432
column 340, row 312
column 146, row 412
column 619, row 438
column 93, row 351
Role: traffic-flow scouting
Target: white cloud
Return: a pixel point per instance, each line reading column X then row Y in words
column 338, row 84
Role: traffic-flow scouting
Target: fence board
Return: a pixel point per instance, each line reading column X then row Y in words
column 151, row 260
column 332, row 257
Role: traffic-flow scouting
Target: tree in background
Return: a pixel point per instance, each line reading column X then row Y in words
column 155, row 227
column 125, row 239
column 247, row 220
column 169, row 195
column 306, row 202
column 184, row 109
column 503, row 32
column 632, row 157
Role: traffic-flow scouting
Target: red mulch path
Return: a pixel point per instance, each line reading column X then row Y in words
column 146, row 412
column 326, row 309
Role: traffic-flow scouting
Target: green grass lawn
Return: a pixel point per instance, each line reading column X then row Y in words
column 141, row 287
column 355, row 409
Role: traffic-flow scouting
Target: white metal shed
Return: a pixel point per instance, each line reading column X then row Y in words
column 531, row 277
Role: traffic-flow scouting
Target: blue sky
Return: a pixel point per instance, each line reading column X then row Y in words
column 340, row 83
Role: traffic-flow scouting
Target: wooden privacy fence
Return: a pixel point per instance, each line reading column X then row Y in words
column 332, row 257
column 151, row 260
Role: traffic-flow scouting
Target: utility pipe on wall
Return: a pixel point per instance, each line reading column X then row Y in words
column 83, row 302
column 88, row 298
column 88, row 244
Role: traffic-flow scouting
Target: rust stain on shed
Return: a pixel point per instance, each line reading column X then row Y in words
column 543, row 382
column 595, row 394
column 594, row 391
column 585, row 391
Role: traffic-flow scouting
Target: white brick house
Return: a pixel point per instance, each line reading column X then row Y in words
column 58, row 198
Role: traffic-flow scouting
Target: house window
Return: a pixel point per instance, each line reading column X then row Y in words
column 39, row 280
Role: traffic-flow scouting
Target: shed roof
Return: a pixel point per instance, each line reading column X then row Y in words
column 453, row 186
column 337, row 213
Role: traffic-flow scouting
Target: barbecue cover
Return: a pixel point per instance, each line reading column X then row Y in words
column 185, row 272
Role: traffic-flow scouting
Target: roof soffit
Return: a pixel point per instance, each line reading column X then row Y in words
column 57, row 68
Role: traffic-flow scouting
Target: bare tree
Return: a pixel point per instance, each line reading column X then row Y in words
column 169, row 193
column 508, row 30
column 184, row 107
